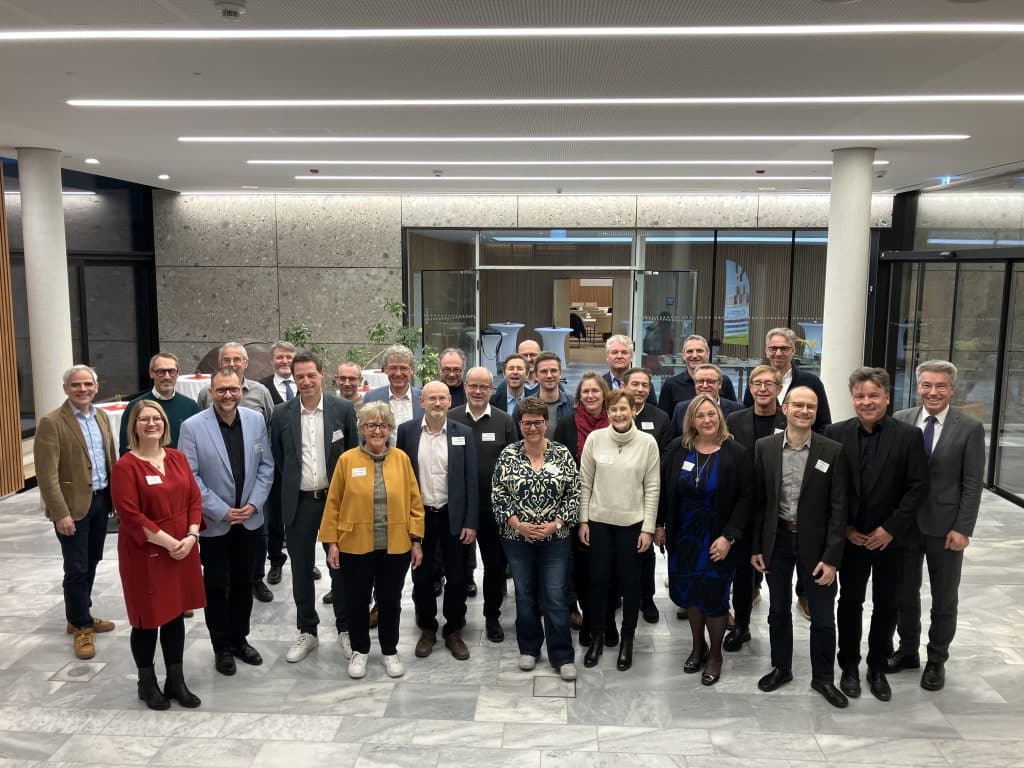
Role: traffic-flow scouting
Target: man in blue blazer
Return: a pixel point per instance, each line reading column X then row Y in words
column 229, row 452
column 399, row 393
column 618, row 352
column 443, row 455
column 708, row 380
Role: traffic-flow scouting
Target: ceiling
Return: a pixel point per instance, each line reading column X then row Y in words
column 138, row 144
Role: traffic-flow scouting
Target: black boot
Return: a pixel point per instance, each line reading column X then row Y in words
column 149, row 691
column 176, row 690
column 625, row 654
column 594, row 652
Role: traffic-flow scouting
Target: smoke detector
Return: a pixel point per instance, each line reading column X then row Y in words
column 231, row 10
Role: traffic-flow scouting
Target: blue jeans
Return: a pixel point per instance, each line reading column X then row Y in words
column 82, row 552
column 540, row 571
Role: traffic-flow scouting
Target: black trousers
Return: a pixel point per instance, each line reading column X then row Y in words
column 944, row 568
column 438, row 541
column 227, row 576
column 821, row 600
column 380, row 574
column 647, row 566
column 275, row 532
column 885, row 569
column 495, row 563
column 613, row 547
column 82, row 552
column 302, row 532
column 743, row 584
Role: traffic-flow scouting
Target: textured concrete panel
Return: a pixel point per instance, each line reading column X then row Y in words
column 100, row 222
column 337, row 304
column 214, row 230
column 215, row 304
column 604, row 211
column 339, row 230
column 970, row 210
column 792, row 211
column 696, row 211
column 881, row 211
column 486, row 211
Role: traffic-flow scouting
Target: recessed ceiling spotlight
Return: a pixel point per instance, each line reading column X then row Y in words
column 766, row 189
column 91, row 161
column 249, row 186
column 163, row 177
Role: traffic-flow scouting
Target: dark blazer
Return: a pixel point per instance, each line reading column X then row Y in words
column 741, row 425
column 491, row 433
column 654, row 422
column 955, row 473
column 732, row 499
column 821, row 510
column 802, row 378
column 268, row 382
column 680, row 387
column 463, row 492
column 340, row 434
column 383, row 395
column 896, row 486
column 651, row 399
column 728, row 407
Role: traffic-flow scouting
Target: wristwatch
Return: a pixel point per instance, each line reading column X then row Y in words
column 558, row 524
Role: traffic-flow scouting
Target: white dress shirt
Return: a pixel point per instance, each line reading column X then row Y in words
column 433, row 461
column 940, row 419
column 314, row 458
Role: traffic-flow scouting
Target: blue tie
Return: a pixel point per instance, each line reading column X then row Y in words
column 929, row 435
column 289, row 393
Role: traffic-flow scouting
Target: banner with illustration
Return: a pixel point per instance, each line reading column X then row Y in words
column 737, row 304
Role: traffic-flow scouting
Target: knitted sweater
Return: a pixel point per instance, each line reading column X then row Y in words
column 620, row 474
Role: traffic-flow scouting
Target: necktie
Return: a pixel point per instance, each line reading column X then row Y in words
column 929, row 435
column 289, row 392
column 616, row 384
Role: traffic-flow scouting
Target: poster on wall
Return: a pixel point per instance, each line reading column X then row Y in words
column 737, row 304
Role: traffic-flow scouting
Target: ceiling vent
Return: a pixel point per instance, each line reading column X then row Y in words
column 231, row 10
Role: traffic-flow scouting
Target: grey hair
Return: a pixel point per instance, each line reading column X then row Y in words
column 711, row 367
column 878, row 376
column 453, row 351
column 397, row 350
column 168, row 355
column 480, row 369
column 287, row 346
column 379, row 411
column 786, row 332
column 618, row 338
column 80, row 367
column 938, row 366
column 701, row 339
column 232, row 345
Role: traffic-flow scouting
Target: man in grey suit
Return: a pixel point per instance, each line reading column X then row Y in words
column 307, row 435
column 955, row 445
column 398, row 393
column 228, row 450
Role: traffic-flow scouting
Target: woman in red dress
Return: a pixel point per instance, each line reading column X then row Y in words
column 160, row 508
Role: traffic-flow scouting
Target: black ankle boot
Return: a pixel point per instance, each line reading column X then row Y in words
column 625, row 654
column 176, row 690
column 149, row 691
column 594, row 652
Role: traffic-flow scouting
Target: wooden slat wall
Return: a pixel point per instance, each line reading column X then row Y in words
column 12, row 477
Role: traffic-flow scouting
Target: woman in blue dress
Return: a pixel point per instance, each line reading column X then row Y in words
column 705, row 504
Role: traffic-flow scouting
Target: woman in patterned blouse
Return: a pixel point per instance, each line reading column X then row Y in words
column 536, row 498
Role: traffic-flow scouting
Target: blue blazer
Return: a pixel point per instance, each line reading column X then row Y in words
column 383, row 395
column 203, row 446
column 463, row 492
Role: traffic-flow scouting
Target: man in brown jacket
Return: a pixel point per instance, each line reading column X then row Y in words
column 74, row 454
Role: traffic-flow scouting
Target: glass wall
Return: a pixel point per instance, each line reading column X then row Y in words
column 1009, row 465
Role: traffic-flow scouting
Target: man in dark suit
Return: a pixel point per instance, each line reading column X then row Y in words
column 955, row 445
column 512, row 389
column 779, row 350
column 888, row 486
column 708, row 379
column 281, row 386
column 443, row 456
column 619, row 356
column 681, row 388
column 307, row 436
column 281, row 383
column 800, row 482
column 74, row 454
column 747, row 427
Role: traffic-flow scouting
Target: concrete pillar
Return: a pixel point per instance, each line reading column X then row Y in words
column 846, row 274
column 46, row 274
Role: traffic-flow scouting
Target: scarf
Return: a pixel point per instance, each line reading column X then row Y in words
column 585, row 424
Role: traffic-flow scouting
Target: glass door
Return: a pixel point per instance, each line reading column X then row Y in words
column 448, row 299
column 1009, row 469
column 668, row 303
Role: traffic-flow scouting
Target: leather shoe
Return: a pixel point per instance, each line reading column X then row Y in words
column 575, row 619
column 849, row 683
column 902, row 660
column 494, row 631
column 262, row 592
column 934, row 676
column 316, row 574
column 879, row 686
column 374, row 617
column 98, row 626
column 329, row 597
column 611, row 636
column 735, row 638
column 248, row 654
column 625, row 660
column 425, row 645
column 585, row 637
column 710, row 678
column 274, row 574
column 651, row 613
column 224, row 662
column 595, row 650
column 681, row 614
column 470, row 588
column 438, row 588
column 775, row 679
column 692, row 664
column 832, row 694
column 458, row 648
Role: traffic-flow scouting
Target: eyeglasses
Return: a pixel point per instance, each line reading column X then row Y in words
column 165, row 371
column 478, row 387
column 527, row 425
column 927, row 387
column 374, row 427
column 706, row 382
column 346, row 379
column 227, row 390
column 451, row 370
column 762, row 385
column 779, row 349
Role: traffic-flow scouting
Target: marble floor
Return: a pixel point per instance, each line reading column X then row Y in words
column 55, row 710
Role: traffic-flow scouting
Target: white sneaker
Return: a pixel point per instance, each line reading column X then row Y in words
column 302, row 647
column 346, row 644
column 567, row 671
column 527, row 662
column 357, row 665
column 393, row 665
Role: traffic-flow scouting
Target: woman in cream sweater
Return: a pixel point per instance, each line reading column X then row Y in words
column 620, row 475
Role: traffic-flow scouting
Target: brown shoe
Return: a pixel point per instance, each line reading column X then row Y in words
column 189, row 614
column 426, row 643
column 85, row 648
column 374, row 618
column 575, row 620
column 98, row 625
column 458, row 648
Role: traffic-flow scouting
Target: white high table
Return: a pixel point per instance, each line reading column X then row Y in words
column 553, row 340
column 192, row 384
column 115, row 412
column 509, row 337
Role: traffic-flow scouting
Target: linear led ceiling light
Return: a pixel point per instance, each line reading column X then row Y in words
column 562, row 178
column 443, row 163
column 869, row 137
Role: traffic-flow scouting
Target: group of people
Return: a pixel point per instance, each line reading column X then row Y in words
column 569, row 494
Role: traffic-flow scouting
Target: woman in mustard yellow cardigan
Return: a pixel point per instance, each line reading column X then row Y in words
column 373, row 522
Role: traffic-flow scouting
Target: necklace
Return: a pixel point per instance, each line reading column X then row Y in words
column 701, row 467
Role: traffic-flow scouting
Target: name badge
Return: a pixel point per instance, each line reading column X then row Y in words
column 154, row 480
column 821, row 465
column 688, row 466
column 257, row 447
column 777, row 430
column 458, row 440
column 605, row 460
column 551, row 469
column 358, row 471
column 647, row 425
column 336, row 435
column 487, row 437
